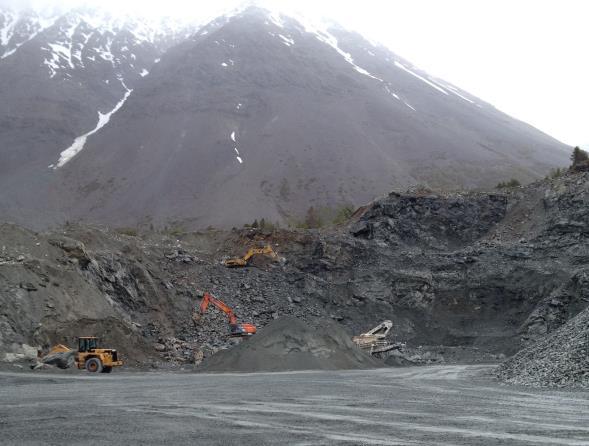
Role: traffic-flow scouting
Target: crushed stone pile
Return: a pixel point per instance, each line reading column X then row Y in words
column 289, row 344
column 559, row 360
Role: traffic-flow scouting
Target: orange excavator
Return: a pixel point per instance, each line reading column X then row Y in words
column 235, row 329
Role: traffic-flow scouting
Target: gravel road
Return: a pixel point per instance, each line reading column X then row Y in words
column 438, row 405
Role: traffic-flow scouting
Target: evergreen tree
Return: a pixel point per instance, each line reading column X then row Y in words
column 579, row 156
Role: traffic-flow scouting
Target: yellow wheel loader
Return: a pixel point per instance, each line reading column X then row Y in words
column 95, row 359
column 90, row 357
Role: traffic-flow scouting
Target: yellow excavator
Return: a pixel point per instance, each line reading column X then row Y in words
column 243, row 261
column 89, row 356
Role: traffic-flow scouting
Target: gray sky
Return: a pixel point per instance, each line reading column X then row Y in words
column 529, row 58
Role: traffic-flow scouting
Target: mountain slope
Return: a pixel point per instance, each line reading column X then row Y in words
column 61, row 76
column 261, row 116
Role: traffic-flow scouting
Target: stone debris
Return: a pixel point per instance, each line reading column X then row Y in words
column 62, row 360
column 561, row 359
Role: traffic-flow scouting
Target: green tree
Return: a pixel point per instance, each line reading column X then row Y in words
column 508, row 184
column 555, row 173
column 579, row 156
column 343, row 215
column 255, row 224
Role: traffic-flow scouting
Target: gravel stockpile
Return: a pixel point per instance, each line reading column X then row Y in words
column 559, row 360
column 290, row 344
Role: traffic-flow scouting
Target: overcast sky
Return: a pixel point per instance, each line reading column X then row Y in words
column 529, row 58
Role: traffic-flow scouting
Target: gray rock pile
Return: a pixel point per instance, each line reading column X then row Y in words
column 289, row 344
column 559, row 360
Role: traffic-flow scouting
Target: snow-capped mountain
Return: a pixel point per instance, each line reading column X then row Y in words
column 62, row 75
column 254, row 115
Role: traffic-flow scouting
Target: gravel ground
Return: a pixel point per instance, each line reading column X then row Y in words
column 435, row 405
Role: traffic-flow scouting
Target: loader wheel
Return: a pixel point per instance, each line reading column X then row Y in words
column 107, row 369
column 94, row 365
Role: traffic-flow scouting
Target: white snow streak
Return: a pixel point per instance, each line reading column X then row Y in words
column 224, row 65
column 454, row 90
column 80, row 141
column 326, row 37
column 386, row 87
column 234, row 139
column 276, row 19
column 431, row 84
column 144, row 73
column 61, row 51
column 286, row 40
column 409, row 105
column 238, row 106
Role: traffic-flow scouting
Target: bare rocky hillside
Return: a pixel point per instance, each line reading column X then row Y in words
column 485, row 272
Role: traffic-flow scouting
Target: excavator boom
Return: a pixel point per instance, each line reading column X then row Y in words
column 235, row 328
column 208, row 299
column 243, row 261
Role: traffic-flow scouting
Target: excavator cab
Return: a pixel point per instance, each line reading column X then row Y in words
column 242, row 330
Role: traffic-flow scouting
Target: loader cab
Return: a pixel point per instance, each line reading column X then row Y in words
column 87, row 344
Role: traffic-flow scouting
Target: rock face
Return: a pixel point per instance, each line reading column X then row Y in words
column 559, row 360
column 456, row 273
column 253, row 116
column 288, row 344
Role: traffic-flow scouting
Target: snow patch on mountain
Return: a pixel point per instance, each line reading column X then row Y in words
column 454, row 90
column 10, row 19
column 286, row 40
column 421, row 78
column 328, row 38
column 28, row 29
column 80, row 141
